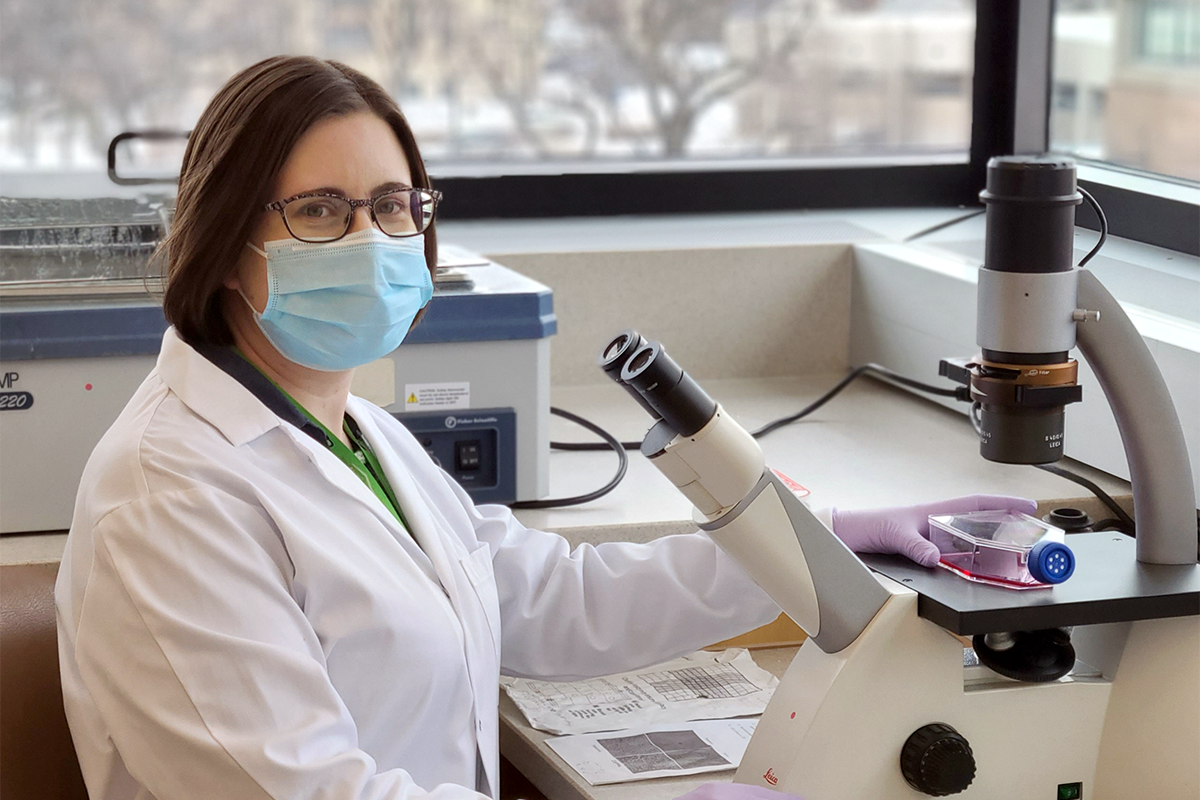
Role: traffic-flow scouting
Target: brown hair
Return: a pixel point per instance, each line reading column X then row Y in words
column 233, row 157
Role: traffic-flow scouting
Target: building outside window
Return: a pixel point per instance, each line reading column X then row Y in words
column 1127, row 84
column 1169, row 32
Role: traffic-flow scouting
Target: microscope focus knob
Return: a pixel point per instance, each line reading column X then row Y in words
column 937, row 760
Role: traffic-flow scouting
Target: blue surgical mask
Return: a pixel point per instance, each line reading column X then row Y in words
column 338, row 305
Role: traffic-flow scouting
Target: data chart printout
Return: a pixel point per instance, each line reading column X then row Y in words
column 657, row 751
column 700, row 686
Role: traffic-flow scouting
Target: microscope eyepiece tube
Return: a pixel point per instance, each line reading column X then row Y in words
column 618, row 350
column 613, row 357
column 669, row 390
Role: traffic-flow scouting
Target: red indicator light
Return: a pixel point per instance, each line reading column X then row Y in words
column 87, row 386
column 793, row 715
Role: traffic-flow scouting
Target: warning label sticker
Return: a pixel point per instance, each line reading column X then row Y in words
column 797, row 489
column 435, row 396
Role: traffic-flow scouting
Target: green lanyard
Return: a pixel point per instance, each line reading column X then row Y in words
column 361, row 461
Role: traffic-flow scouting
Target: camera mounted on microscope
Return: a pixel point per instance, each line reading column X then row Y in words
column 1028, row 286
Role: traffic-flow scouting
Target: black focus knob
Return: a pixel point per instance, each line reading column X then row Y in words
column 937, row 760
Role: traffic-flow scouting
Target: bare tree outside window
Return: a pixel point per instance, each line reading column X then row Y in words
column 74, row 75
column 488, row 82
column 684, row 57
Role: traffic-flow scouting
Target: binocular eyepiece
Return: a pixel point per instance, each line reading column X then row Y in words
column 657, row 383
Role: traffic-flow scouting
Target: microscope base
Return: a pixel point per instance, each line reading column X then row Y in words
column 1151, row 742
column 836, row 725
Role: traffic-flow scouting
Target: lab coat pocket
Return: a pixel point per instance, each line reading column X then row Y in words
column 478, row 566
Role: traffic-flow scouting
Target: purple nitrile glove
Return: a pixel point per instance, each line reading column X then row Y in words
column 905, row 529
column 734, row 791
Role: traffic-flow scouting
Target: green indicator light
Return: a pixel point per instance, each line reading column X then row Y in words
column 1070, row 791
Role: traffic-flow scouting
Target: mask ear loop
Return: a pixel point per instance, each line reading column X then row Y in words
column 257, row 314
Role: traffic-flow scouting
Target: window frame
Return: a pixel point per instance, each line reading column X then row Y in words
column 1150, row 212
column 1011, row 106
column 687, row 187
column 1012, row 97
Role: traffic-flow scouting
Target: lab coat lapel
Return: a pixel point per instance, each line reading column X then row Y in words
column 334, row 471
column 344, row 479
column 212, row 394
column 481, row 642
column 480, row 648
column 413, row 505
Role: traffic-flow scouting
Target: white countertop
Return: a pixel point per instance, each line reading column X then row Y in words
column 872, row 445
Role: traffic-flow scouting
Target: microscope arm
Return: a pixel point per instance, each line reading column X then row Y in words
column 1159, row 469
column 815, row 578
column 743, row 506
column 756, row 519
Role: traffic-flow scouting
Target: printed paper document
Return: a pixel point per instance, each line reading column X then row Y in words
column 700, row 686
column 656, row 751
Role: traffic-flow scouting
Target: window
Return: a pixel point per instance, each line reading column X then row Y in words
column 1169, row 32
column 1139, row 63
column 509, row 84
column 1065, row 96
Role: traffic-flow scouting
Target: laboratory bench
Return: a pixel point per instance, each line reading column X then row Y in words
column 873, row 445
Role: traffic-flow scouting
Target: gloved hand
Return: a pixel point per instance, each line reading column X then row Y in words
column 734, row 791
column 905, row 529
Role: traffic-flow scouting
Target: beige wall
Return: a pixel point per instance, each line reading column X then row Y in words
column 723, row 312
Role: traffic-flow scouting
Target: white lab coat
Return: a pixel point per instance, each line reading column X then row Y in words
column 240, row 617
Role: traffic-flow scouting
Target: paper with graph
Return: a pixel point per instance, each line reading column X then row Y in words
column 703, row 685
column 657, row 751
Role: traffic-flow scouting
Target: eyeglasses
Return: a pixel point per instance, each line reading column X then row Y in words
column 324, row 217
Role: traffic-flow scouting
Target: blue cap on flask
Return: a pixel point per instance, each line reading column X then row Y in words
column 1051, row 562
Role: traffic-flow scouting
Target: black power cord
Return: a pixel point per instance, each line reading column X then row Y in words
column 959, row 393
column 1103, row 225
column 943, row 225
column 1122, row 520
column 610, row 442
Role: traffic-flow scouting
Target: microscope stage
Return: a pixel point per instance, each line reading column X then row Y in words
column 1109, row 585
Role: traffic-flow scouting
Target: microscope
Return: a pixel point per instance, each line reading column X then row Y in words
column 1089, row 689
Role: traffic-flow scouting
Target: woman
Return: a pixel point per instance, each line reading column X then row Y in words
column 269, row 590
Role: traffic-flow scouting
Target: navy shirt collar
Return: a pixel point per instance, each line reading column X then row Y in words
column 245, row 373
